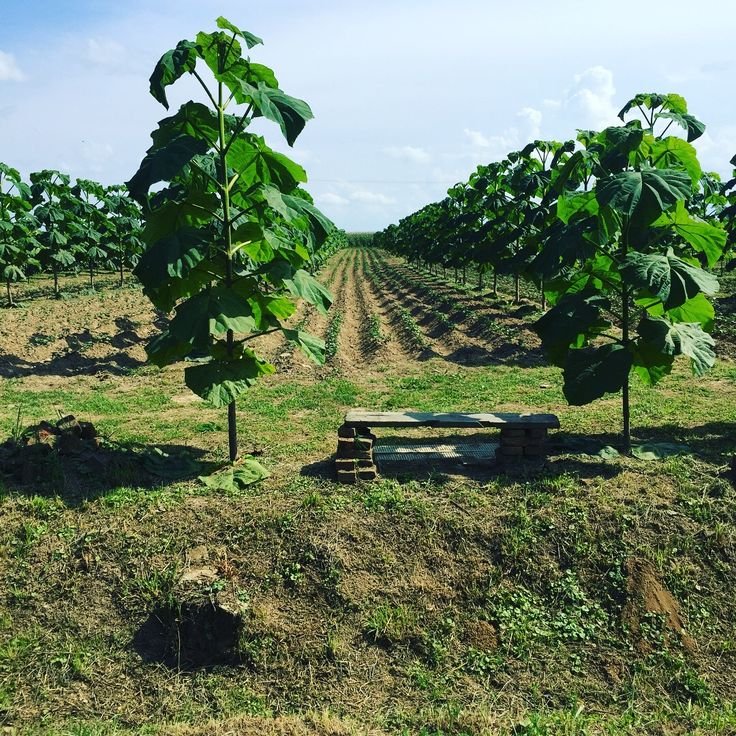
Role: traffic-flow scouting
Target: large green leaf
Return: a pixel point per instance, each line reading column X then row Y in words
column 165, row 349
column 174, row 256
column 617, row 144
column 300, row 206
column 667, row 277
column 688, row 122
column 192, row 119
column 248, row 37
column 288, row 112
column 163, row 164
column 234, row 479
column 172, row 65
column 194, row 209
column 576, row 203
column 221, row 382
column 673, row 153
column 642, row 196
column 696, row 345
column 574, row 319
column 698, row 309
column 592, row 372
column 216, row 310
column 313, row 347
column 304, row 285
column 705, row 237
column 651, row 100
column 685, row 338
column 256, row 163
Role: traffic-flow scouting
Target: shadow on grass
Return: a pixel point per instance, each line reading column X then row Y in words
column 569, row 453
column 73, row 361
column 89, row 472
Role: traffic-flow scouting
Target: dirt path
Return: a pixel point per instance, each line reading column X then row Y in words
column 481, row 335
column 359, row 303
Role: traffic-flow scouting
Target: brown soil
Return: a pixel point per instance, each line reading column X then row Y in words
column 646, row 595
column 94, row 333
column 457, row 338
column 358, row 303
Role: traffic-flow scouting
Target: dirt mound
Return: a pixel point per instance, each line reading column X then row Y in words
column 647, row 595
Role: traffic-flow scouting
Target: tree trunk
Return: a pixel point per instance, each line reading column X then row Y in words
column 544, row 296
column 91, row 276
column 516, row 289
column 122, row 273
column 232, row 426
column 495, row 283
column 625, row 403
column 56, row 282
column 480, row 280
column 465, row 275
column 10, row 294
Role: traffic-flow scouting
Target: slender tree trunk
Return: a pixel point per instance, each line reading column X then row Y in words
column 232, row 426
column 10, row 294
column 91, row 276
column 495, row 283
column 122, row 272
column 516, row 288
column 544, row 296
column 56, row 282
column 456, row 276
column 465, row 276
column 480, row 280
column 625, row 403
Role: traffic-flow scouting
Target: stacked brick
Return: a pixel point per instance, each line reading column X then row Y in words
column 522, row 443
column 355, row 454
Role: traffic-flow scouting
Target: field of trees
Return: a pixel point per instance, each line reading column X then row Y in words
column 176, row 556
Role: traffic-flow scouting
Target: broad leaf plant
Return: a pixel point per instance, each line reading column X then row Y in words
column 230, row 234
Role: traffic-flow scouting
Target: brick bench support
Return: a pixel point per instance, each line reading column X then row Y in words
column 522, row 435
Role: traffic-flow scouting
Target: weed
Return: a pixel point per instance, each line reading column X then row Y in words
column 390, row 624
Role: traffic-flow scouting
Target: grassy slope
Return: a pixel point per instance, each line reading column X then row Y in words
column 445, row 605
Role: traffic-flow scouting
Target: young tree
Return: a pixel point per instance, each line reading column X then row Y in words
column 54, row 210
column 123, row 231
column 231, row 235
column 18, row 227
column 633, row 293
column 90, row 208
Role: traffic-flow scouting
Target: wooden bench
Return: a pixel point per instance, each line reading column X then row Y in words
column 522, row 435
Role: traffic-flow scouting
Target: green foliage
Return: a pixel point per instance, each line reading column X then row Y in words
column 231, row 237
column 619, row 228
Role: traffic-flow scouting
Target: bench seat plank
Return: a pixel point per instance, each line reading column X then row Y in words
column 357, row 418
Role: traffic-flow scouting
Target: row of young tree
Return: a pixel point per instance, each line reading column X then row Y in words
column 621, row 229
column 51, row 225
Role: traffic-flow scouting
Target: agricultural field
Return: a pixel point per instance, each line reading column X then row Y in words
column 197, row 536
column 457, row 602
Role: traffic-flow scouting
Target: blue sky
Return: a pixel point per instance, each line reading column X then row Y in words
column 409, row 97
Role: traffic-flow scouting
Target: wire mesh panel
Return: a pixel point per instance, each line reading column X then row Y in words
column 391, row 452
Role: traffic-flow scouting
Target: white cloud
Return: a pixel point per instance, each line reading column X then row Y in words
column 367, row 197
column 9, row 69
column 409, row 153
column 477, row 138
column 97, row 155
column 105, row 52
column 552, row 104
column 592, row 98
column 330, row 198
column 715, row 148
column 533, row 118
